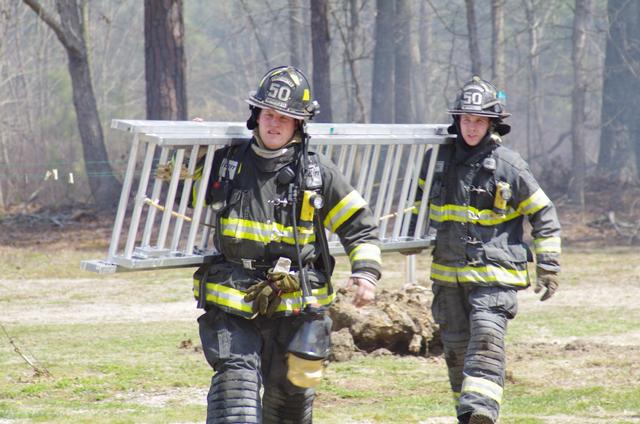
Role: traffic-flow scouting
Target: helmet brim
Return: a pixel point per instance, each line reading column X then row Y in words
column 263, row 105
column 478, row 113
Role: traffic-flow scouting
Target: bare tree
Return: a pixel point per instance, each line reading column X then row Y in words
column 165, row 64
column 70, row 30
column 619, row 139
column 472, row 28
column 321, row 63
column 578, row 97
column 295, row 32
column 497, row 43
column 402, row 41
column 536, row 13
column 383, row 64
column 349, row 32
column 422, row 51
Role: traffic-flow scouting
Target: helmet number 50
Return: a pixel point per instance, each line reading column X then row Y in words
column 280, row 92
column 473, row 98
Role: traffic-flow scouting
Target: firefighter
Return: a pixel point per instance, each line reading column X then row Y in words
column 480, row 194
column 273, row 200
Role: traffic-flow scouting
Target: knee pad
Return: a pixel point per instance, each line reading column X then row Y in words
column 234, row 397
column 281, row 407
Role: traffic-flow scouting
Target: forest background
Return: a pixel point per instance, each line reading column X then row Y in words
column 569, row 70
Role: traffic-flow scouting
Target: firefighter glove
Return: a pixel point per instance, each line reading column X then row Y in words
column 546, row 280
column 265, row 298
column 283, row 281
column 165, row 171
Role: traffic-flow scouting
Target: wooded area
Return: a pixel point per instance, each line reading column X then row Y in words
column 569, row 69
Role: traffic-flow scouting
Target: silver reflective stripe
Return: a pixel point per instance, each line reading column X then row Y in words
column 547, row 245
column 482, row 386
column 344, row 210
column 534, row 203
column 486, row 274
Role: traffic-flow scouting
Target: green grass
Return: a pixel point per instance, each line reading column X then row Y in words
column 136, row 372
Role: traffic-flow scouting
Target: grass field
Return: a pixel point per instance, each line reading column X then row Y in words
column 125, row 348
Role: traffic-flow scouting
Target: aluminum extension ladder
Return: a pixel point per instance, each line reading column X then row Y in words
column 382, row 161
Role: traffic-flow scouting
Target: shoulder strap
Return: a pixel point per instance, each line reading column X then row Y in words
column 313, row 174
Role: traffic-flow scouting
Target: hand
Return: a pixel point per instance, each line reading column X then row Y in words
column 547, row 280
column 366, row 291
column 265, row 299
column 164, row 172
column 410, row 252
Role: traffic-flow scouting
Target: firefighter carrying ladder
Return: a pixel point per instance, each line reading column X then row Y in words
column 381, row 161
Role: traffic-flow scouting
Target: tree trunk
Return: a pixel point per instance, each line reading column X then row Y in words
column 402, row 79
column 321, row 64
column 536, row 14
column 619, row 138
column 578, row 96
column 165, row 64
column 295, row 33
column 105, row 188
column 383, row 64
column 421, row 79
column 497, row 44
column 472, row 28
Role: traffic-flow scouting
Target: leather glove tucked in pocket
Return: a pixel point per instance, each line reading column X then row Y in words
column 264, row 297
column 284, row 281
column 546, row 280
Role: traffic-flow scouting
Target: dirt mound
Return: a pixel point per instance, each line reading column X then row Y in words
column 398, row 322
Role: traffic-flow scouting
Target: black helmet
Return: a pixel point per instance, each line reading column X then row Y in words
column 479, row 97
column 287, row 90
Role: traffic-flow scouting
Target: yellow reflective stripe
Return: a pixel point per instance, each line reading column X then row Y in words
column 469, row 214
column 534, row 203
column 547, row 245
column 264, row 233
column 420, row 182
column 223, row 295
column 234, row 299
column 456, row 398
column 365, row 252
column 483, row 386
column 481, row 274
column 344, row 210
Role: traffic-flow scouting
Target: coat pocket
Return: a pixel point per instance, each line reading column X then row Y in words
column 515, row 253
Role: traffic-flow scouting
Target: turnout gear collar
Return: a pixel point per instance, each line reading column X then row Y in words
column 480, row 97
column 285, row 89
column 274, row 160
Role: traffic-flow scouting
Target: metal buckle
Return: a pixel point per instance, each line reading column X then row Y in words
column 248, row 264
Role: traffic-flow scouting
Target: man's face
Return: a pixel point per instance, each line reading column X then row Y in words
column 275, row 129
column 474, row 128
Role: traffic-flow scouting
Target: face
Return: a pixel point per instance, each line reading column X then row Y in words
column 275, row 129
column 474, row 128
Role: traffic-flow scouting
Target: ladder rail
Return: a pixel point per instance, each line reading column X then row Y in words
column 356, row 148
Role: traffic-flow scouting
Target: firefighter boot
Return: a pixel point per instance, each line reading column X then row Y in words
column 479, row 418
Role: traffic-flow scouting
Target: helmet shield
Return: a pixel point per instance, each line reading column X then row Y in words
column 479, row 97
column 286, row 90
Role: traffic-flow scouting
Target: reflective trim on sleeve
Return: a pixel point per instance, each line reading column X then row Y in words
column 344, row 210
column 421, row 182
column 482, row 386
column 231, row 298
column 469, row 214
column 264, row 233
column 547, row 245
column 365, row 252
column 487, row 274
column 534, row 203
